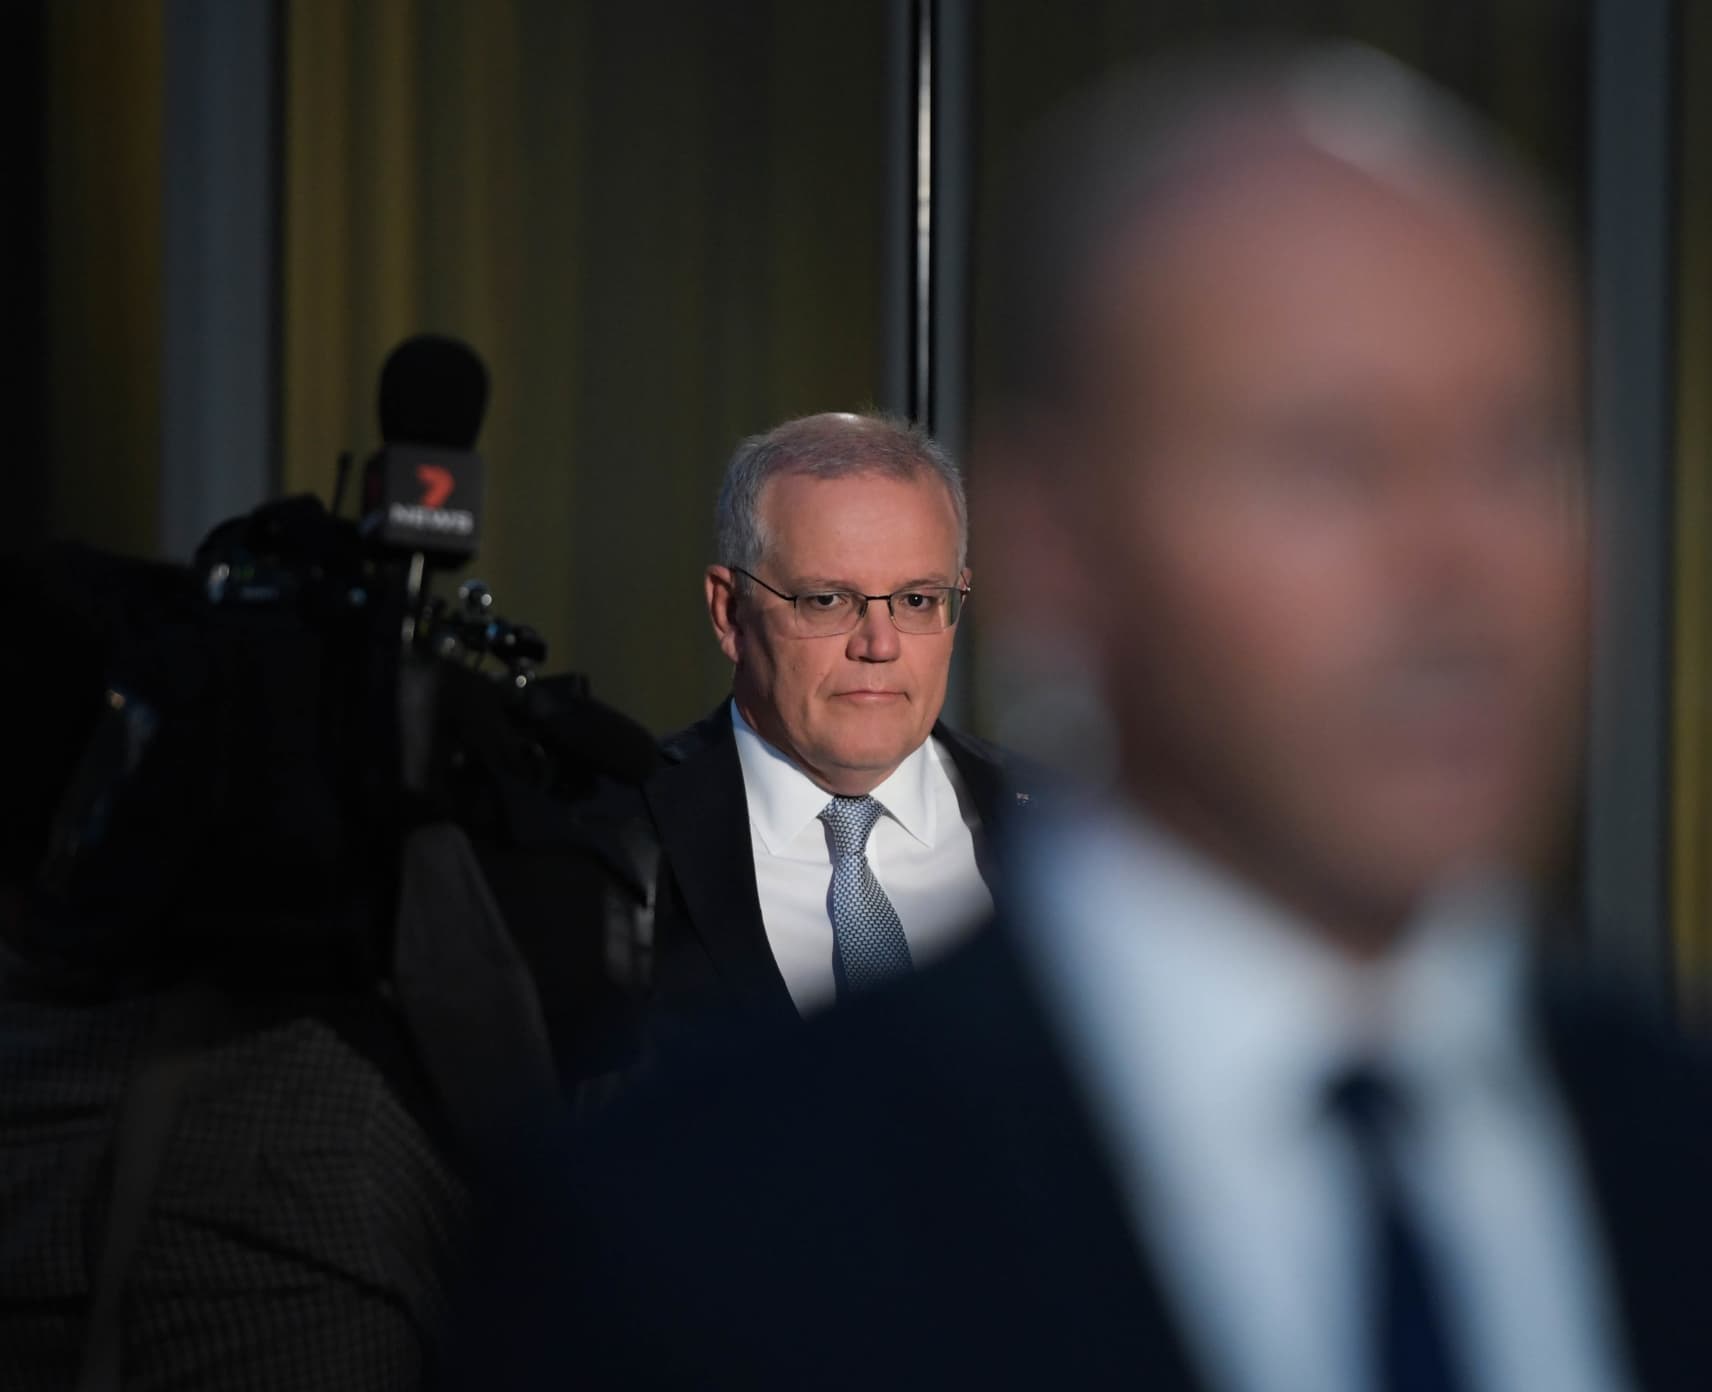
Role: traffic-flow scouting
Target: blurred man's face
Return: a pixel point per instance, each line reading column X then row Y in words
column 847, row 709
column 1333, row 541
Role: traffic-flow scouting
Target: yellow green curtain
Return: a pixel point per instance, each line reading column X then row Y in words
column 102, row 66
column 661, row 225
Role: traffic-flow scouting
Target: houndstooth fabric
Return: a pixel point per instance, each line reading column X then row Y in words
column 304, row 1219
column 868, row 943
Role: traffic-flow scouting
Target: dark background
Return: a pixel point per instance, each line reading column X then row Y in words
column 669, row 223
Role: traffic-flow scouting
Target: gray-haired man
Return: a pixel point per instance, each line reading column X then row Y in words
column 821, row 830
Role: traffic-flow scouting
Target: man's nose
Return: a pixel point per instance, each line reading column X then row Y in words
column 875, row 638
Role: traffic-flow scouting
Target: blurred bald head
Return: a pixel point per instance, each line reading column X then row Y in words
column 1288, row 381
column 1132, row 156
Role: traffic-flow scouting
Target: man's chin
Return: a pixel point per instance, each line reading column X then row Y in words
column 861, row 765
column 1395, row 877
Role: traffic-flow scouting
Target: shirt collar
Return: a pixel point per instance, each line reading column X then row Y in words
column 1229, row 1000
column 783, row 800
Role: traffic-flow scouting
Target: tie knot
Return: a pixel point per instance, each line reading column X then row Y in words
column 850, row 819
column 1367, row 1101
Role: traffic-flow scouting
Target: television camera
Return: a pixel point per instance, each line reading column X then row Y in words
column 240, row 753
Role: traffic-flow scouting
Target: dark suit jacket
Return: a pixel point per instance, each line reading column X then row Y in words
column 912, row 1196
column 713, row 955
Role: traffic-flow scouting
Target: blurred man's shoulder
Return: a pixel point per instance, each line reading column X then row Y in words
column 918, row 1148
column 1005, row 781
column 1613, row 1048
column 879, row 1050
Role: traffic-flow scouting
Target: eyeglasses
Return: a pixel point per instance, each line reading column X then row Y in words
column 827, row 613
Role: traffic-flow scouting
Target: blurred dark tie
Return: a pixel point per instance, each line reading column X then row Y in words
column 1412, row 1346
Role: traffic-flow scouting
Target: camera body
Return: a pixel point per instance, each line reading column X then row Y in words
column 236, row 749
column 240, row 795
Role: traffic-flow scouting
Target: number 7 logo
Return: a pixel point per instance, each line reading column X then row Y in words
column 437, row 484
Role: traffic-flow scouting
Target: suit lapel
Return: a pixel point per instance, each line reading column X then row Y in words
column 982, row 775
column 1641, row 1109
column 702, row 817
column 1037, row 1160
column 990, row 789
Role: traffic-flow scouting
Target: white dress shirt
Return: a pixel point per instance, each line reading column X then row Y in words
column 922, row 852
column 1206, row 1026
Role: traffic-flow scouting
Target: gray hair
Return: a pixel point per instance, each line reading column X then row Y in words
column 835, row 445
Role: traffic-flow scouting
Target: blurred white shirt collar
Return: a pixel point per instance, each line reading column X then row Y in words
column 1205, row 1023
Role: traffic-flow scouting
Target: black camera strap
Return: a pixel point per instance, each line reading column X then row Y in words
column 466, row 995
column 467, row 999
column 153, row 1098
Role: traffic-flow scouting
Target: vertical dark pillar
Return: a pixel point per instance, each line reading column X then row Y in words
column 1628, row 789
column 219, row 378
column 953, row 196
column 899, row 384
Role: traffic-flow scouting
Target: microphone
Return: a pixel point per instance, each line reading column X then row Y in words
column 423, row 490
column 433, row 391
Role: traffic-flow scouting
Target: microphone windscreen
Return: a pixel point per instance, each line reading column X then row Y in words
column 433, row 391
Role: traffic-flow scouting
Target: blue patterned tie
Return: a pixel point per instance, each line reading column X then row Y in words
column 868, row 944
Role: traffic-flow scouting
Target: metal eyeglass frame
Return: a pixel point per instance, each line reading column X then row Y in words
column 864, row 600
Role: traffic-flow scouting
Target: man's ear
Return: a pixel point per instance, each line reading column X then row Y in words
column 723, row 610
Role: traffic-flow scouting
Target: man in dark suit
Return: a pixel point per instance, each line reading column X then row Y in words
column 843, row 570
column 1260, row 1084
